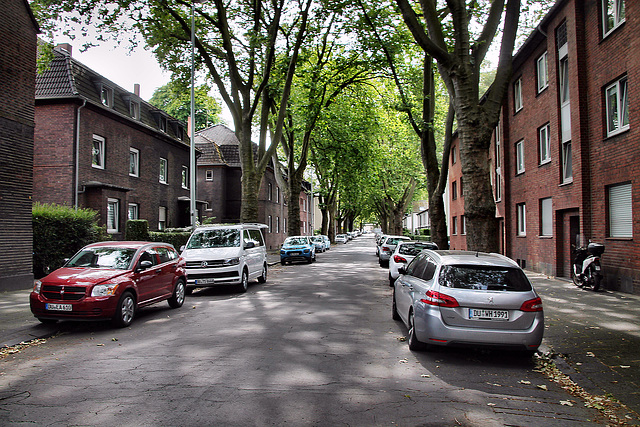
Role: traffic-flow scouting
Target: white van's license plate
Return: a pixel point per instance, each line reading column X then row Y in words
column 58, row 307
column 205, row 281
column 477, row 313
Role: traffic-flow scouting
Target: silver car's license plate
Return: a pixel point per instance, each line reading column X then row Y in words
column 59, row 307
column 482, row 314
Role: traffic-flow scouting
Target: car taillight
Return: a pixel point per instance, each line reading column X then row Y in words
column 439, row 299
column 398, row 259
column 386, row 249
column 532, row 305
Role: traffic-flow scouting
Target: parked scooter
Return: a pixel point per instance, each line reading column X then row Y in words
column 586, row 270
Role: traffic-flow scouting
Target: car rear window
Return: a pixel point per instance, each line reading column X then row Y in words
column 412, row 249
column 484, row 278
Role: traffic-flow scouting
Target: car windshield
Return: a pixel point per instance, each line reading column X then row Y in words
column 484, row 278
column 118, row 258
column 412, row 249
column 217, row 238
column 292, row 241
column 318, row 239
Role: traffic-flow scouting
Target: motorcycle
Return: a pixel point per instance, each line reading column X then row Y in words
column 586, row 270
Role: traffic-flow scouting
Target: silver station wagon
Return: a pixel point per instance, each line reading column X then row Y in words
column 448, row 298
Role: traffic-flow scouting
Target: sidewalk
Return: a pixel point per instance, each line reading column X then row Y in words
column 594, row 337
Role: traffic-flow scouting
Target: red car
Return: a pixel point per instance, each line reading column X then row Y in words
column 111, row 280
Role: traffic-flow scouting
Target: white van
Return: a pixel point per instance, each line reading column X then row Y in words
column 229, row 254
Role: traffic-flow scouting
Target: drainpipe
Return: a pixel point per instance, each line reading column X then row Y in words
column 77, row 159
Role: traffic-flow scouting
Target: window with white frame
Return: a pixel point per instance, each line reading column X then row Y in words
column 463, row 224
column 163, row 171
column 270, row 191
column 454, row 155
column 185, row 177
column 617, row 104
column 113, row 215
column 546, row 217
column 277, row 194
column 134, row 162
column 562, row 40
column 162, row 218
column 270, row 223
column 517, row 95
column 544, row 144
column 208, row 176
column 454, row 225
column 620, row 211
column 454, row 190
column 498, row 154
column 98, row 152
column 521, row 219
column 133, row 211
column 277, row 224
column 613, row 15
column 520, row 157
column 134, row 109
column 106, row 96
column 542, row 72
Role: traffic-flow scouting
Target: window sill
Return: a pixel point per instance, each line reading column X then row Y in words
column 546, row 162
column 566, row 183
column 621, row 239
column 618, row 132
column 545, row 237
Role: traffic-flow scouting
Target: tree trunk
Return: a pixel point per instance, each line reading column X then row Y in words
column 293, row 226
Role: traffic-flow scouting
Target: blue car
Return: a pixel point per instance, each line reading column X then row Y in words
column 297, row 248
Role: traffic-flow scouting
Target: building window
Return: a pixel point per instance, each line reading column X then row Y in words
column 521, row 219
column 134, row 211
column 162, row 124
column 163, row 171
column 498, row 156
column 454, row 225
column 463, row 225
column 134, row 162
column 617, row 101
column 454, row 190
column 185, row 177
column 277, row 224
column 113, row 215
column 162, row 218
column 277, row 194
column 270, row 192
column 620, row 211
column 520, row 157
column 134, row 109
column 544, row 144
column 461, row 188
column 517, row 95
column 542, row 72
column 454, row 156
column 208, row 176
column 613, row 15
column 98, row 152
column 546, row 217
column 106, row 96
column 270, row 223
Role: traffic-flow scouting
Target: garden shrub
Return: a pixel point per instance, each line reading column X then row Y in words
column 59, row 232
column 137, row 230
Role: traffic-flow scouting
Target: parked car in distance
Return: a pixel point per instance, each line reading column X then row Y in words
column 379, row 239
column 297, row 248
column 387, row 247
column 225, row 254
column 403, row 254
column 341, row 238
column 449, row 298
column 110, row 280
column 319, row 243
column 327, row 242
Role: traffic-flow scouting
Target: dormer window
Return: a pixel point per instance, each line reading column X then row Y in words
column 134, row 109
column 106, row 96
column 162, row 124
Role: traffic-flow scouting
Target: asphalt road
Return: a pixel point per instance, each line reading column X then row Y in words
column 315, row 345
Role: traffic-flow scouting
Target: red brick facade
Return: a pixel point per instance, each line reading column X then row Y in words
column 18, row 31
column 548, row 205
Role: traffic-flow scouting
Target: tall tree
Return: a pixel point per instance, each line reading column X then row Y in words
column 175, row 99
column 236, row 43
column 447, row 36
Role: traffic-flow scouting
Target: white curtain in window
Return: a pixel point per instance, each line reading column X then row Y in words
column 620, row 211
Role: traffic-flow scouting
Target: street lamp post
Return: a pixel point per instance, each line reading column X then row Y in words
column 192, row 150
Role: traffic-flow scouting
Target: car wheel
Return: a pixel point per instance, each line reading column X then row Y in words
column 244, row 283
column 309, row 260
column 394, row 308
column 177, row 299
column 283, row 262
column 414, row 343
column 125, row 311
column 263, row 277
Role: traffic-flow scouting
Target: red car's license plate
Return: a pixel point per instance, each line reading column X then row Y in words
column 59, row 307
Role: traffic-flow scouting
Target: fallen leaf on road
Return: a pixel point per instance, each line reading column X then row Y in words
column 542, row 387
column 590, row 354
column 625, row 366
column 99, row 345
column 491, row 404
column 566, row 403
column 525, row 382
column 114, row 339
column 404, row 361
column 402, row 339
column 425, row 376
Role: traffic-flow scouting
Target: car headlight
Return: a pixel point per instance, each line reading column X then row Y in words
column 306, row 251
column 231, row 261
column 104, row 290
column 36, row 286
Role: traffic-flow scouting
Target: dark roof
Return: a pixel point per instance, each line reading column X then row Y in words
column 68, row 78
column 219, row 146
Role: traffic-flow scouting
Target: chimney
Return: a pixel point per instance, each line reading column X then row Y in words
column 65, row 47
column 136, row 89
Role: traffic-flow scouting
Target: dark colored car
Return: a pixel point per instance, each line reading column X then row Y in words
column 111, row 280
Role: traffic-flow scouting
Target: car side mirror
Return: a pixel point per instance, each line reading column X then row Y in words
column 402, row 270
column 249, row 245
column 144, row 265
column 182, row 248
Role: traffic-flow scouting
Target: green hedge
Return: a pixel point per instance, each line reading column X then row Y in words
column 176, row 238
column 138, row 230
column 59, row 232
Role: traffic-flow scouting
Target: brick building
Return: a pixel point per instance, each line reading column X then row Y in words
column 18, row 30
column 564, row 153
column 219, row 187
column 99, row 146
